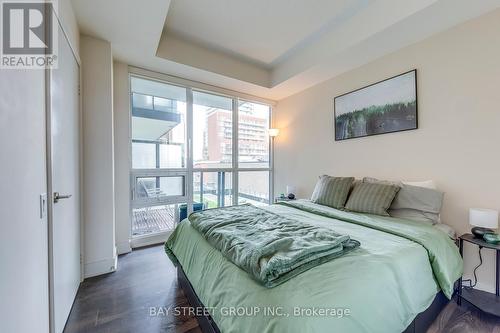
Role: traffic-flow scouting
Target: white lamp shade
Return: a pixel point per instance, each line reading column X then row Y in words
column 273, row 132
column 290, row 189
column 486, row 218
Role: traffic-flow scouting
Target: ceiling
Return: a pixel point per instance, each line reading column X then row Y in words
column 261, row 31
column 271, row 49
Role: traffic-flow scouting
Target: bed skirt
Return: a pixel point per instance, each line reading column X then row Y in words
column 419, row 325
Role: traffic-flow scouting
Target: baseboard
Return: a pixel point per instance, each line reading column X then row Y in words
column 158, row 238
column 123, row 247
column 485, row 287
column 101, row 267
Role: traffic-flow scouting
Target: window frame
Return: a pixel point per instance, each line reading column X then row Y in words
column 189, row 170
column 163, row 200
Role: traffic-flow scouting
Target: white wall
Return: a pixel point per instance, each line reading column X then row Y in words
column 98, row 160
column 121, row 117
column 68, row 19
column 24, row 298
column 456, row 143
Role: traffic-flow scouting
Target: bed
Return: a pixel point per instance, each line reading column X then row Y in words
column 385, row 285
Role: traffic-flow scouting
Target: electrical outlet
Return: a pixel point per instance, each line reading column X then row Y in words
column 43, row 205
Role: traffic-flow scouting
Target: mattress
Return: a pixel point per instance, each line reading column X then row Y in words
column 379, row 287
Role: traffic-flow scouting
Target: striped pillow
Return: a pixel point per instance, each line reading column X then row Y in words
column 332, row 191
column 372, row 198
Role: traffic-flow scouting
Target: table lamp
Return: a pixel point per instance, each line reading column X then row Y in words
column 483, row 221
column 290, row 192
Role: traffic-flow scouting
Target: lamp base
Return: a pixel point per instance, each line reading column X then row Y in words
column 479, row 232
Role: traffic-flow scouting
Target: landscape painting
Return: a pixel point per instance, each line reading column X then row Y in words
column 383, row 107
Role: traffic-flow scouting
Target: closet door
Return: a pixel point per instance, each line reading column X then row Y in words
column 23, row 240
column 64, row 183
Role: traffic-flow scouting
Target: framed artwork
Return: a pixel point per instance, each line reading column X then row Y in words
column 383, row 107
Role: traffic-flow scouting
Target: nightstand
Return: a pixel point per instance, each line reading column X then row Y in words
column 484, row 301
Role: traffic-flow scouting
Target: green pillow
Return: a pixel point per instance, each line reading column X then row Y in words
column 332, row 191
column 371, row 198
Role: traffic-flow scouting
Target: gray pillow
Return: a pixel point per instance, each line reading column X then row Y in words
column 371, row 198
column 378, row 181
column 332, row 191
column 414, row 202
column 414, row 215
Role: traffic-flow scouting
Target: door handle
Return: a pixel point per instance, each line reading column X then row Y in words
column 58, row 196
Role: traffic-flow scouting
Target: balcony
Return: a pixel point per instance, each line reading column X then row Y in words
column 152, row 220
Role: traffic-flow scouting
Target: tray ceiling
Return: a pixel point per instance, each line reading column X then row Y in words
column 271, row 49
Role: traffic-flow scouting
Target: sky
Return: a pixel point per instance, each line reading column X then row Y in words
column 399, row 89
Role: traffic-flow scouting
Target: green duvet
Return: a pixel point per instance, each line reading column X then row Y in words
column 379, row 287
column 272, row 248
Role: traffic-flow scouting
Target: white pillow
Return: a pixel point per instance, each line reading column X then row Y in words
column 425, row 183
column 447, row 229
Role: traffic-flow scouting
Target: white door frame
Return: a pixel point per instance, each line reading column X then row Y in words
column 49, row 163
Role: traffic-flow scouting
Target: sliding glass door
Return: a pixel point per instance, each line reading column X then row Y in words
column 159, row 173
column 193, row 150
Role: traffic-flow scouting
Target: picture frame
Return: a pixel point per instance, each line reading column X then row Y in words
column 386, row 106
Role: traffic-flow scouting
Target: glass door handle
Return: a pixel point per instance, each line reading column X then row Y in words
column 58, row 196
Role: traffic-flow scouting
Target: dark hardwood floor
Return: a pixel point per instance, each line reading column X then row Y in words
column 121, row 301
column 465, row 318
